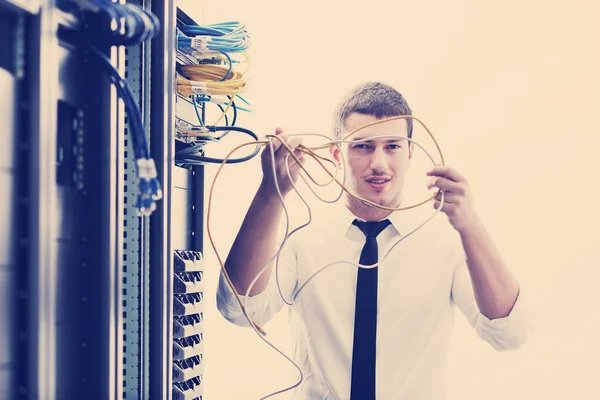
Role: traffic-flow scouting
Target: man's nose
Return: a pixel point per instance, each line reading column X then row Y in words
column 378, row 160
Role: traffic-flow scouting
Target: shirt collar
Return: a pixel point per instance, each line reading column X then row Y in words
column 341, row 221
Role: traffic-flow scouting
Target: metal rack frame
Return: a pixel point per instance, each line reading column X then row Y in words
column 97, row 286
column 162, row 83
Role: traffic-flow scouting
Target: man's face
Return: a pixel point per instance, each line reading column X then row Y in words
column 375, row 169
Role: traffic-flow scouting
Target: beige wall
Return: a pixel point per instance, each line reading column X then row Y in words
column 510, row 89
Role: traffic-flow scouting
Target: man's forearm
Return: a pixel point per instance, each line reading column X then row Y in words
column 495, row 288
column 254, row 244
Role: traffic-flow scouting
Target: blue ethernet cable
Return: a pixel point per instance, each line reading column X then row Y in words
column 113, row 24
column 219, row 29
column 149, row 189
column 228, row 40
column 192, row 155
column 197, row 111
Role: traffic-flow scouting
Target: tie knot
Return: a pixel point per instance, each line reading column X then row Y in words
column 371, row 228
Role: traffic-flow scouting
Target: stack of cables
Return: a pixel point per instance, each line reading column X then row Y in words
column 112, row 24
column 215, row 42
column 212, row 80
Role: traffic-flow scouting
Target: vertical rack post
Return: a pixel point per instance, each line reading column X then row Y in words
column 162, row 83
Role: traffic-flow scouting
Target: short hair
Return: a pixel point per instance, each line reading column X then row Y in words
column 372, row 98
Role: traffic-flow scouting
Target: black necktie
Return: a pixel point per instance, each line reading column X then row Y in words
column 365, row 317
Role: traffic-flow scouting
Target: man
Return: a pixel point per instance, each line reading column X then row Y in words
column 366, row 333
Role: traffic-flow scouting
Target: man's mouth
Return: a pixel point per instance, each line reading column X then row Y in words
column 378, row 183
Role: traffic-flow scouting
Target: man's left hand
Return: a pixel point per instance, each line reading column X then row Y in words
column 458, row 205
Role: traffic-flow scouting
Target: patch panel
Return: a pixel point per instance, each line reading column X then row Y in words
column 189, row 390
column 188, row 344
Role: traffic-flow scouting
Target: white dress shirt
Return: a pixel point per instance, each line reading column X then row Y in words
column 420, row 281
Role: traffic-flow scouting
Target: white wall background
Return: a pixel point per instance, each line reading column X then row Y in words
column 510, row 89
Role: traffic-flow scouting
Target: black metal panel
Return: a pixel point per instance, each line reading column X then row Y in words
column 27, row 45
column 197, row 204
column 71, row 261
column 161, row 251
column 69, row 161
column 86, row 238
column 7, row 41
column 94, row 243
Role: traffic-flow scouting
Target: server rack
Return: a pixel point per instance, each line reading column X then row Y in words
column 95, row 300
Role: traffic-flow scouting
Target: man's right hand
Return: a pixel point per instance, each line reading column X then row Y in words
column 268, row 182
column 255, row 242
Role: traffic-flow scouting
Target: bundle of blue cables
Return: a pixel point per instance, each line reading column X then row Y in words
column 115, row 24
column 227, row 37
column 200, row 41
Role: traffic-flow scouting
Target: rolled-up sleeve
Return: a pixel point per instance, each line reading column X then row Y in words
column 506, row 333
column 263, row 306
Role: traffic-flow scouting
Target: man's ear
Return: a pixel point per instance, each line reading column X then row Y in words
column 411, row 149
column 335, row 153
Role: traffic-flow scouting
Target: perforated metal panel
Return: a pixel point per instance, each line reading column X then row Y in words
column 135, row 283
column 134, row 244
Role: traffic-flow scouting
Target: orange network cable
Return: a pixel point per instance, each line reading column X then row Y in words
column 213, row 80
column 207, row 79
column 310, row 151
